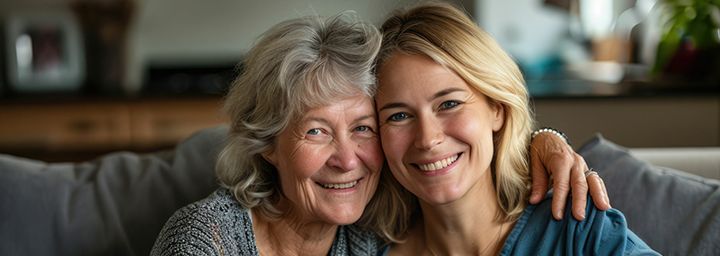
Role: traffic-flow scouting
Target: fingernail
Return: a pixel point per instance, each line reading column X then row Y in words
column 607, row 199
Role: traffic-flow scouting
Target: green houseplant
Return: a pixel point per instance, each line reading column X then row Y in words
column 690, row 41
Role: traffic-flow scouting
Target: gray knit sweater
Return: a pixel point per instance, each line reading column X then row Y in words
column 218, row 225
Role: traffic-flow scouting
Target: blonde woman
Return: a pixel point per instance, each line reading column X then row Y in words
column 454, row 119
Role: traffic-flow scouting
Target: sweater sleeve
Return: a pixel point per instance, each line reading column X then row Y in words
column 188, row 232
column 216, row 225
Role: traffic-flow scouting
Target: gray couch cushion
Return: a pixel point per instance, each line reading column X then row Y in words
column 114, row 205
column 674, row 212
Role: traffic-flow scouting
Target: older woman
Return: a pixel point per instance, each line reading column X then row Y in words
column 303, row 157
column 454, row 115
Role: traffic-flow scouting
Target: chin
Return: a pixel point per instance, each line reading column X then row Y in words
column 441, row 196
column 343, row 213
column 342, row 217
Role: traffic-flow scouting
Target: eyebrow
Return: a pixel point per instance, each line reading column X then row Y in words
column 434, row 96
column 359, row 119
column 326, row 122
column 445, row 92
column 392, row 105
column 307, row 120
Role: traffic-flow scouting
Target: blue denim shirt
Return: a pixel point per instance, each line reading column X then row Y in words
column 601, row 233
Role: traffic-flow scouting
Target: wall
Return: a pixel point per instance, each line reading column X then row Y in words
column 170, row 29
column 198, row 31
column 192, row 31
column 529, row 30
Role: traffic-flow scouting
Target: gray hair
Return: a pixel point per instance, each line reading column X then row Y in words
column 296, row 65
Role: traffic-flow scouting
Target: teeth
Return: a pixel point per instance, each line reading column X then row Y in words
column 439, row 164
column 340, row 186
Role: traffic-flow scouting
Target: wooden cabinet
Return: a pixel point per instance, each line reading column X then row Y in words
column 168, row 122
column 77, row 130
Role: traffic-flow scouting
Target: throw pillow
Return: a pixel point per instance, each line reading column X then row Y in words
column 674, row 212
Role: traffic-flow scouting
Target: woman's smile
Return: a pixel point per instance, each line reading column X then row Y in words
column 340, row 186
column 438, row 167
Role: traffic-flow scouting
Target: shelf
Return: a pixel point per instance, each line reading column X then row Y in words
column 49, row 130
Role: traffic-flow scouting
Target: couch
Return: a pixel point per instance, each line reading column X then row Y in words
column 117, row 204
column 675, row 212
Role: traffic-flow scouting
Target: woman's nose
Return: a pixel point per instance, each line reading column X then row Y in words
column 429, row 133
column 345, row 158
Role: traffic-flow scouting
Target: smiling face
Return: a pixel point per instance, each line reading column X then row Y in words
column 329, row 162
column 437, row 132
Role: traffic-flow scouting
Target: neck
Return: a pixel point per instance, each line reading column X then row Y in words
column 467, row 226
column 292, row 235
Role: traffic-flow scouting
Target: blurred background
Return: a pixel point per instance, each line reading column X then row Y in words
column 79, row 78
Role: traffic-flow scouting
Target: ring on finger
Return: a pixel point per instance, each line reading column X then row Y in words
column 589, row 172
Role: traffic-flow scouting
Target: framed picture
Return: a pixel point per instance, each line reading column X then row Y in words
column 44, row 52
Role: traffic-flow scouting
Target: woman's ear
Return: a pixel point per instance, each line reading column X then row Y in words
column 498, row 116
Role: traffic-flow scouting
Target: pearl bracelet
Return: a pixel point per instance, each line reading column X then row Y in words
column 550, row 130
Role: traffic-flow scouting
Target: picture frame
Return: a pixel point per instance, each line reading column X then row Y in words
column 44, row 52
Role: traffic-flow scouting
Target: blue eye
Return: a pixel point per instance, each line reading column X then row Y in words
column 398, row 117
column 449, row 104
column 362, row 128
column 314, row 131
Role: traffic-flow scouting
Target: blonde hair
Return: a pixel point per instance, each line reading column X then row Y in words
column 445, row 34
column 296, row 65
